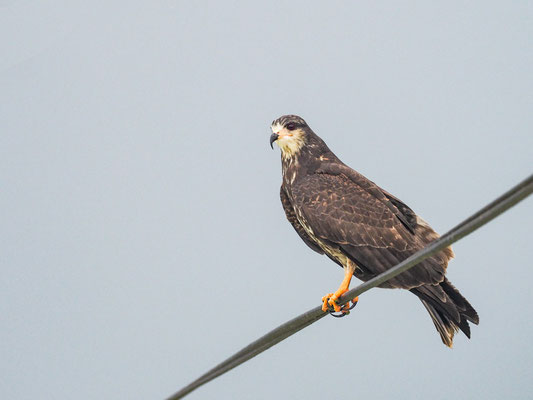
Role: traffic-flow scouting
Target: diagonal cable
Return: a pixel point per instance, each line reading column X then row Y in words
column 480, row 218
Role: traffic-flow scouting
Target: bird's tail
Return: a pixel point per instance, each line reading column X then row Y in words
column 449, row 310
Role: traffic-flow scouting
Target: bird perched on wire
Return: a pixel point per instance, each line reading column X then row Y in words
column 366, row 230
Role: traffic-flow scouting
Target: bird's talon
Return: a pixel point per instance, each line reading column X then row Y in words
column 330, row 305
column 344, row 311
column 333, row 303
column 354, row 303
column 325, row 302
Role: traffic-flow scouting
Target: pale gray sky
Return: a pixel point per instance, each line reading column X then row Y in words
column 142, row 236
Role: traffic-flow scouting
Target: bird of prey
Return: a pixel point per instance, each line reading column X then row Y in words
column 366, row 230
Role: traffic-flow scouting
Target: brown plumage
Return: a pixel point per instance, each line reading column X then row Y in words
column 338, row 212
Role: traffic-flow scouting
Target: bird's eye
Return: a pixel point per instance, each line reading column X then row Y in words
column 291, row 126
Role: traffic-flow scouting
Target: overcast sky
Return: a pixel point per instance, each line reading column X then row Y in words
column 143, row 240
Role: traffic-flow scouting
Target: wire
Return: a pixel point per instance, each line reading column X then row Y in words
column 486, row 214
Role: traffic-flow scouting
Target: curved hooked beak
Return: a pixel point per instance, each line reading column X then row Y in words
column 273, row 138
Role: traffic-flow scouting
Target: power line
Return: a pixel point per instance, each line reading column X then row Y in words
column 480, row 218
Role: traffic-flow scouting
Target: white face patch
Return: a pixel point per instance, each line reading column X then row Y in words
column 276, row 128
column 290, row 142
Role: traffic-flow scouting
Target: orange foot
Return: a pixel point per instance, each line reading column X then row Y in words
column 330, row 301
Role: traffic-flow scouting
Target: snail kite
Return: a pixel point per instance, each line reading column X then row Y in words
column 366, row 230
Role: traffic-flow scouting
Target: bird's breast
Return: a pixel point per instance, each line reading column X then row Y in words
column 290, row 170
column 332, row 250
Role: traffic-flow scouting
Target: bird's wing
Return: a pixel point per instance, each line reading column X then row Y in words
column 346, row 210
column 291, row 216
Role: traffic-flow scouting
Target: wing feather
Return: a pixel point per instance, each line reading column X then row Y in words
column 371, row 229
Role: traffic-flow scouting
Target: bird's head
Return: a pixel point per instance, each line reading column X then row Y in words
column 289, row 132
